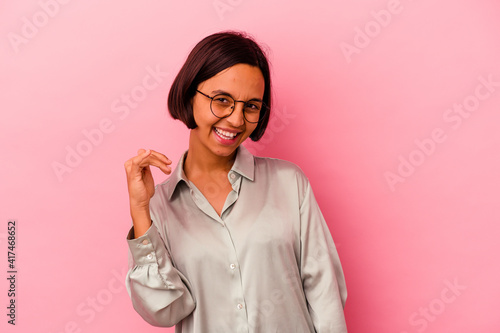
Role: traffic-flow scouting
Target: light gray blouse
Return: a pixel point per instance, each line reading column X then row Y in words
column 267, row 264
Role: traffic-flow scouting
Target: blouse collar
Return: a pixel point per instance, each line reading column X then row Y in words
column 243, row 165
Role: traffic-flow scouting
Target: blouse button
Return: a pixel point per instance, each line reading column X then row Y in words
column 145, row 242
column 232, row 176
column 149, row 256
column 239, row 306
column 233, row 266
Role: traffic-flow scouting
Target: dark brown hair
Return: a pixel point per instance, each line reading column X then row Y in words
column 209, row 57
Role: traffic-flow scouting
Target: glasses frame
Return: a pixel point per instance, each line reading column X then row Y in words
column 262, row 111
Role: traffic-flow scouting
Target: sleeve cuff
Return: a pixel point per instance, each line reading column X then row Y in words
column 146, row 248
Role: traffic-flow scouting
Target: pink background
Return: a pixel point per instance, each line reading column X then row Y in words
column 367, row 102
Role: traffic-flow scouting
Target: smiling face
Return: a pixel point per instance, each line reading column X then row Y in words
column 219, row 136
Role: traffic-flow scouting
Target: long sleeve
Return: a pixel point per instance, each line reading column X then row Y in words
column 267, row 263
column 321, row 271
column 159, row 292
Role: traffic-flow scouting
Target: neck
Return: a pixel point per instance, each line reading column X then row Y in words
column 200, row 160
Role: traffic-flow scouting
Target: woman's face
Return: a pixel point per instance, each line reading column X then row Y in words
column 222, row 136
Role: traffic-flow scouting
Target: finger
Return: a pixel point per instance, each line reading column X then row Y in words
column 145, row 158
column 151, row 157
column 133, row 166
column 146, row 173
column 156, row 161
column 133, row 163
column 143, row 152
column 141, row 174
column 161, row 157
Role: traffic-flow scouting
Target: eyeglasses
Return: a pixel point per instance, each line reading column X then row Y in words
column 223, row 105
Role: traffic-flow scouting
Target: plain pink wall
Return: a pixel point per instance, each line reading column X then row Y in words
column 385, row 105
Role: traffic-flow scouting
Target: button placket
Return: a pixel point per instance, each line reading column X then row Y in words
column 233, row 270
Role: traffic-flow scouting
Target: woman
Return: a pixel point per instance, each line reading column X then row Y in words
column 230, row 242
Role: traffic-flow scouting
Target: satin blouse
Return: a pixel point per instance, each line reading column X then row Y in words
column 267, row 264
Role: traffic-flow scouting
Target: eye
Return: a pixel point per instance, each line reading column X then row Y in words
column 223, row 100
column 252, row 107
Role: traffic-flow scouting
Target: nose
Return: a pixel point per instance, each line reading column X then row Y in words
column 237, row 118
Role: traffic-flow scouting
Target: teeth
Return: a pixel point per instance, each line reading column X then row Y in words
column 225, row 134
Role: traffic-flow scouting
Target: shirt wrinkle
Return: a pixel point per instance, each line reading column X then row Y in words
column 268, row 265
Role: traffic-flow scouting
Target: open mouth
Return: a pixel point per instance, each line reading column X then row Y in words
column 225, row 135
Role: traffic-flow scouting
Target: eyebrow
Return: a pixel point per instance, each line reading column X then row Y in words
column 218, row 91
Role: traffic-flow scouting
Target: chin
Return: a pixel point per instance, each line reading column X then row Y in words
column 225, row 151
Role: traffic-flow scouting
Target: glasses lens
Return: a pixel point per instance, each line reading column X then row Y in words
column 222, row 105
column 252, row 111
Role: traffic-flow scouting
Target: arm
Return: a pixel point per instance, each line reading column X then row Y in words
column 159, row 292
column 322, row 275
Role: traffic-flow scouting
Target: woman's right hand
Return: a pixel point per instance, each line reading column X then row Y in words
column 141, row 185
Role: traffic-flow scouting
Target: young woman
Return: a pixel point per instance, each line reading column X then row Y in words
column 230, row 242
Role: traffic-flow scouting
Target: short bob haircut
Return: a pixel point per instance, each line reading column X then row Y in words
column 210, row 56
